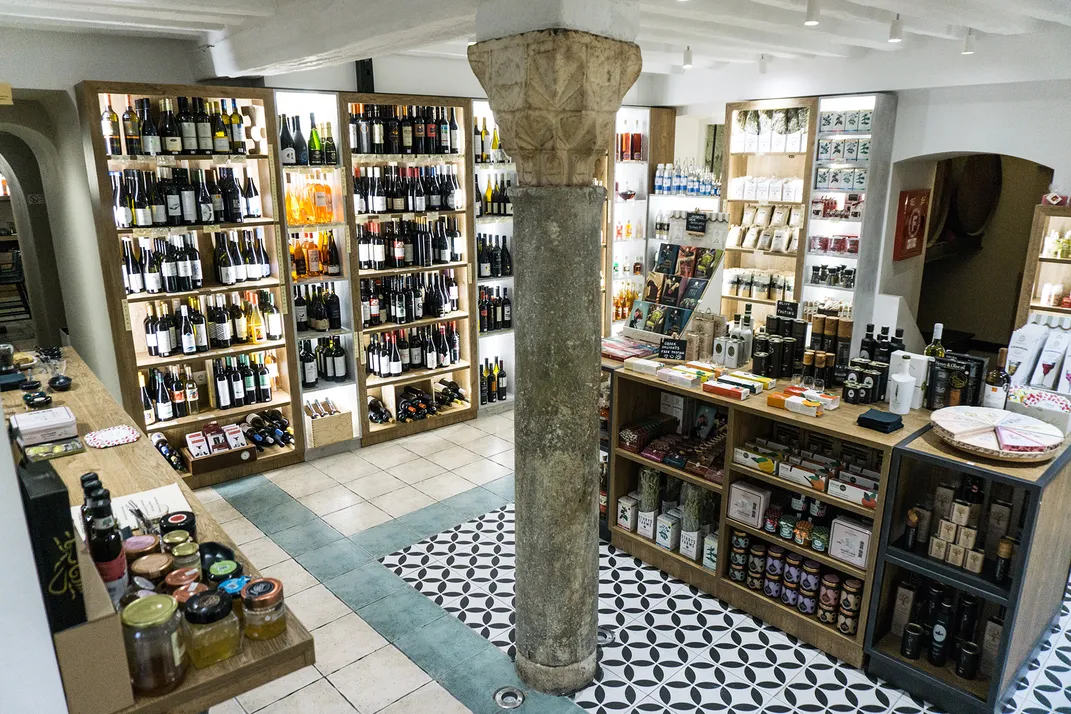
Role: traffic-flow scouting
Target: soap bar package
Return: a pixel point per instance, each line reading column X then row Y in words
column 1023, row 351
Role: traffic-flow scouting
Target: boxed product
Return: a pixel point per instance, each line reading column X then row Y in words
column 754, row 459
column 627, row 513
column 849, row 540
column 38, row 427
column 691, row 545
column 1023, row 350
column 938, row 548
column 642, row 365
column 747, row 503
column 668, row 531
column 902, row 609
column 865, row 497
column 710, row 552
column 919, row 368
column 680, row 408
column 645, row 524
column 1047, row 371
column 1050, row 408
column 809, row 477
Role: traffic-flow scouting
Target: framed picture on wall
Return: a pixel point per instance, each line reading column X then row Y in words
column 911, row 216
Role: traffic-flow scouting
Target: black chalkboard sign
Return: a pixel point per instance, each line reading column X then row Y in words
column 672, row 349
column 787, row 308
column 696, row 223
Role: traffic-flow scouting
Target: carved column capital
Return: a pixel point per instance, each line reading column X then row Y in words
column 555, row 94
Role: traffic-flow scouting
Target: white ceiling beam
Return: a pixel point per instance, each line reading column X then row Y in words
column 651, row 41
column 786, row 23
column 1003, row 18
column 129, row 21
column 757, row 40
column 305, row 34
column 241, row 9
column 80, row 27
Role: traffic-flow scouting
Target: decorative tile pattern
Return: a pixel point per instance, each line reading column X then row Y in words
column 677, row 649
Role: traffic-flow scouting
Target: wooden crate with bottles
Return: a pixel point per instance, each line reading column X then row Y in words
column 188, row 226
column 410, row 170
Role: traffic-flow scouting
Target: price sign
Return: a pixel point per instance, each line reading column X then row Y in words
column 787, row 308
column 672, row 349
column 696, row 223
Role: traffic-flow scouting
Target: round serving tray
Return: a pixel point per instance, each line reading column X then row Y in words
column 983, row 421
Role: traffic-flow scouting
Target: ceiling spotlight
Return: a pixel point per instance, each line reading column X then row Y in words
column 812, row 13
column 896, row 29
column 968, row 42
column 762, row 64
column 687, row 63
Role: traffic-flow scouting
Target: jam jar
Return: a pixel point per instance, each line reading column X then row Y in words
column 851, row 596
column 155, row 644
column 788, row 525
column 809, row 577
column 772, row 587
column 171, row 539
column 184, row 593
column 233, row 587
column 740, row 539
column 137, row 546
column 215, row 633
column 224, row 570
column 180, row 577
column 807, row 603
column 820, row 538
column 793, row 568
column 187, row 555
column 790, row 594
column 153, row 567
column 265, row 609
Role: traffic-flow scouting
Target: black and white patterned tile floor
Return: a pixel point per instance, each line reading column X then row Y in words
column 677, row 649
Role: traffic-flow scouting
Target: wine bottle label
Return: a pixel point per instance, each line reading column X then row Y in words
column 136, row 283
column 334, row 269
column 113, row 573
column 237, row 131
column 380, row 253
column 150, row 340
column 204, row 136
column 227, row 275
column 310, row 372
column 994, row 396
column 188, row 131
column 150, row 416
column 163, row 342
column 434, row 202
column 507, row 311
column 221, row 145
column 217, row 203
column 123, row 217
column 321, row 199
column 206, row 212
column 143, row 216
column 150, row 145
column 240, row 273
column 189, row 205
column 301, row 313
column 185, row 270
column 159, row 213
column 164, row 411
column 173, row 144
column 288, row 156
column 275, row 325
column 200, row 335
column 238, row 389
column 195, row 270
column 189, row 343
column 253, row 209
column 241, row 327
column 173, row 204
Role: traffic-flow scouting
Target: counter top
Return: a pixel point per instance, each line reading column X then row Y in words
column 135, row 467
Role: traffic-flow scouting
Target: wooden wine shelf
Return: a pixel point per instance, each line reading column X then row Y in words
column 765, row 202
column 675, row 472
column 1058, row 261
column 321, row 279
column 164, row 231
column 407, row 215
column 413, row 427
column 799, row 488
column 410, row 269
column 416, row 375
column 1053, row 308
column 757, row 301
column 498, row 165
column 145, row 361
column 387, row 327
column 756, row 251
column 208, row 290
column 496, row 333
column 313, row 334
column 310, row 169
column 324, row 385
column 338, row 226
column 488, row 220
column 279, row 399
column 409, row 159
column 166, row 160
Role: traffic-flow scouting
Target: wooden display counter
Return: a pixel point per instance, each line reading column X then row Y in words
column 638, row 395
column 136, row 467
column 1028, row 601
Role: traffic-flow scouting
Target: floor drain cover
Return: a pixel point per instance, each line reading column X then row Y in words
column 509, row 698
column 604, row 636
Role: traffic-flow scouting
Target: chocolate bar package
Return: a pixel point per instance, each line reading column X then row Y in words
column 686, row 261
column 671, row 290
column 638, row 314
column 656, row 318
column 676, row 320
column 652, row 286
column 693, row 293
column 706, row 261
column 667, row 259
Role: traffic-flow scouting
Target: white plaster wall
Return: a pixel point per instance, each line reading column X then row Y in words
column 336, row 78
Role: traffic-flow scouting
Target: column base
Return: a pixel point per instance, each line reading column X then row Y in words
column 561, row 679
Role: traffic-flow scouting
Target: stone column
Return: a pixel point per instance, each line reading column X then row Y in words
column 555, row 95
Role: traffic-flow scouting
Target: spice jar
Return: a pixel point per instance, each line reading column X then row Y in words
column 180, row 577
column 137, row 546
column 153, row 567
column 170, row 540
column 829, row 592
column 820, row 538
column 155, row 644
column 187, row 555
column 215, row 633
column 185, row 592
column 224, row 570
column 265, row 609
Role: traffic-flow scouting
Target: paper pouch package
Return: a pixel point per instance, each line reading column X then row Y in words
column 1047, row 371
column 1023, row 351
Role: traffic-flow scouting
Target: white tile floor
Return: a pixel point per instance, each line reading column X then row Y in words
column 356, row 669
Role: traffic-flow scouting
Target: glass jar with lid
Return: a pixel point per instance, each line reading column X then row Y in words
column 265, row 609
column 153, row 567
column 184, row 593
column 173, row 538
column 180, row 577
column 137, row 546
column 234, row 587
column 155, row 644
column 214, row 631
column 224, row 570
column 187, row 555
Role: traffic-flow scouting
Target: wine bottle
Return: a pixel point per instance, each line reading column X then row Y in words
column 106, row 548
column 168, row 129
column 237, row 130
column 148, row 410
column 997, row 383
column 301, row 147
column 109, row 124
column 316, row 149
column 150, row 136
column 330, row 149
column 131, row 129
column 221, row 135
column 287, row 147
column 187, row 127
column 935, row 348
column 203, row 126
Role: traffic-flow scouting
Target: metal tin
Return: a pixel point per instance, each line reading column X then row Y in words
column 775, row 355
column 790, row 594
column 740, row 539
column 807, row 603
column 772, row 587
column 827, row 616
column 911, row 643
column 788, row 356
column 775, row 561
column 809, row 576
column 760, row 362
column 851, row 596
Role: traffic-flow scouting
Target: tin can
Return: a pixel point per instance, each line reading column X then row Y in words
column 827, row 616
column 829, row 591
column 760, row 362
column 756, row 563
column 788, row 356
column 793, row 567
column 738, row 557
column 807, row 603
column 740, row 539
column 737, row 573
column 790, row 594
column 809, row 577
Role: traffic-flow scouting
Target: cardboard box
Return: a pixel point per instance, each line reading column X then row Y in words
column 902, row 608
column 997, row 525
column 947, row 530
column 849, row 540
column 645, row 524
column 45, row 425
column 975, row 561
column 755, row 460
column 802, row 476
column 967, row 537
column 691, row 545
column 627, row 513
column 710, row 552
column 747, row 503
column 92, row 656
column 938, row 548
column 961, row 513
column 668, row 531
column 852, row 494
column 681, row 408
column 942, row 501
column 955, row 555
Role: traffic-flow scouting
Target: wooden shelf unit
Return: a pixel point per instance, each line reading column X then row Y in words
column 637, row 395
column 1038, row 268
column 465, row 372
column 125, row 315
column 1032, row 596
column 781, row 164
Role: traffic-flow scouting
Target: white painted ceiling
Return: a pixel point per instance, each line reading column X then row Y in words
column 306, row 33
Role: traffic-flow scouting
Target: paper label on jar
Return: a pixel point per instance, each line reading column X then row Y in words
column 178, row 649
